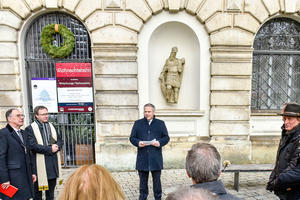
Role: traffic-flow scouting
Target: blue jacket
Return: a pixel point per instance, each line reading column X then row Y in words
column 216, row 187
column 149, row 158
column 291, row 180
column 15, row 163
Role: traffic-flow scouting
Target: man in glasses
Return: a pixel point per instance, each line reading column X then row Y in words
column 45, row 144
column 15, row 162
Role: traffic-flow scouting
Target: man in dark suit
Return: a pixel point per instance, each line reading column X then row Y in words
column 149, row 135
column 45, row 144
column 15, row 162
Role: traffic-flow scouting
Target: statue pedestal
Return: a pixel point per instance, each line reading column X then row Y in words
column 179, row 113
column 184, row 123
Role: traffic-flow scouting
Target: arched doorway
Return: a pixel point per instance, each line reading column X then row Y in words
column 72, row 120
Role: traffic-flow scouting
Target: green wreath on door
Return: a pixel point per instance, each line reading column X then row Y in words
column 68, row 40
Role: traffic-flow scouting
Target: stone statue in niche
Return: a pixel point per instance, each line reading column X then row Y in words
column 171, row 77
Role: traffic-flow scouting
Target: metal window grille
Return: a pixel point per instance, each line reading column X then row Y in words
column 276, row 65
column 77, row 129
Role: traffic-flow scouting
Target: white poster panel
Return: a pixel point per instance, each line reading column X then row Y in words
column 75, row 94
column 44, row 93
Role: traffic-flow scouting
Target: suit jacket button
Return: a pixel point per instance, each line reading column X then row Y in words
column 148, row 131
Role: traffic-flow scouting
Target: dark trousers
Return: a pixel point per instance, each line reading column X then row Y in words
column 144, row 184
column 49, row 193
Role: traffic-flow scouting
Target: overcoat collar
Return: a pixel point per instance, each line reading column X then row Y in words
column 295, row 133
column 216, row 187
column 146, row 121
column 14, row 134
column 289, row 137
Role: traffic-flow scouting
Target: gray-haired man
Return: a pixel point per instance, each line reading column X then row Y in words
column 15, row 161
column 203, row 165
column 149, row 135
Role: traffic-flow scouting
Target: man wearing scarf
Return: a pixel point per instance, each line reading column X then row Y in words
column 45, row 144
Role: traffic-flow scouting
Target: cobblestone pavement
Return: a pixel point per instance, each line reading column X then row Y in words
column 252, row 185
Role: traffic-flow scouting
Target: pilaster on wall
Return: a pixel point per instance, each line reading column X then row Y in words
column 116, row 99
column 230, row 101
column 10, row 87
column 116, row 87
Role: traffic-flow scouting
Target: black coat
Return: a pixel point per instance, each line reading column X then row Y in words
column 15, row 163
column 149, row 158
column 286, row 174
column 50, row 158
column 290, row 179
column 216, row 187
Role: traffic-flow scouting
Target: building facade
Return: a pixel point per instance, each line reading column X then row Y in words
column 241, row 65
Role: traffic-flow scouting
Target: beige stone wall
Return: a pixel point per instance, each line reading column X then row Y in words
column 114, row 26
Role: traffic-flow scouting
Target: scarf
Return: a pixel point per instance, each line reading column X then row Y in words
column 47, row 140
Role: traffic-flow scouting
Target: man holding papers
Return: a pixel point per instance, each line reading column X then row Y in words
column 149, row 135
column 15, row 164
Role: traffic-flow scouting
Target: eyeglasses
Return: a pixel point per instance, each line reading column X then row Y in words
column 18, row 115
column 44, row 114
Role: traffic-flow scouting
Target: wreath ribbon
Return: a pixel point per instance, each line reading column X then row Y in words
column 56, row 28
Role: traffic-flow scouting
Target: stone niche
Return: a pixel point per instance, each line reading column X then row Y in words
column 188, row 120
column 166, row 36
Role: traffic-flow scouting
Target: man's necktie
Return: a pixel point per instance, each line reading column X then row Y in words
column 20, row 135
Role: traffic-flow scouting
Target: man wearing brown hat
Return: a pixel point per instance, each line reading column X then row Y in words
column 285, row 178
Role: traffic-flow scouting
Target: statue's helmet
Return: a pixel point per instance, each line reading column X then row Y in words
column 174, row 49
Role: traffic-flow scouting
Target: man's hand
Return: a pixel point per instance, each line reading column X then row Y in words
column 33, row 178
column 54, row 148
column 156, row 144
column 270, row 186
column 5, row 185
column 141, row 144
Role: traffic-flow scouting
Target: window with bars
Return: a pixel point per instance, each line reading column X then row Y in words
column 276, row 65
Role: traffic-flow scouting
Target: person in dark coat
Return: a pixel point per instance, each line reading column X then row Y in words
column 203, row 166
column 285, row 178
column 45, row 144
column 149, row 135
column 191, row 193
column 15, row 161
